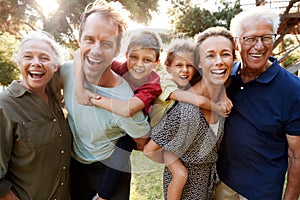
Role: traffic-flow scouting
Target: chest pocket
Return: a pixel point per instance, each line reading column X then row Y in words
column 38, row 134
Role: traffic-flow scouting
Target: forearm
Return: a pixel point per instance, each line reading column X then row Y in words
column 82, row 94
column 197, row 100
column 292, row 191
column 125, row 108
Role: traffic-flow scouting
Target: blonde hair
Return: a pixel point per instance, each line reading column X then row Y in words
column 259, row 12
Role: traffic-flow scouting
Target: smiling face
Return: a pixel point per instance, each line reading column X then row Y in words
column 182, row 68
column 216, row 59
column 255, row 56
column 37, row 65
column 140, row 62
column 98, row 45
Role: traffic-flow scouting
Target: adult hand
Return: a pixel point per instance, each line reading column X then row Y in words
column 85, row 96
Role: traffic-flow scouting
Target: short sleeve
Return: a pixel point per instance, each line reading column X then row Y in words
column 136, row 126
column 293, row 124
column 168, row 87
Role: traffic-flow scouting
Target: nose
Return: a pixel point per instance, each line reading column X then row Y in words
column 139, row 62
column 97, row 48
column 185, row 68
column 36, row 62
column 219, row 60
column 259, row 43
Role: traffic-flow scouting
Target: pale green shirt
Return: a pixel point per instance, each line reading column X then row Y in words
column 96, row 130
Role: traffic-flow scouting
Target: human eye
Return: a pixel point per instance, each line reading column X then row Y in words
column 88, row 39
column 148, row 60
column 45, row 58
column 178, row 65
column 27, row 56
column 133, row 57
column 107, row 44
column 209, row 55
column 267, row 38
column 227, row 54
column 249, row 39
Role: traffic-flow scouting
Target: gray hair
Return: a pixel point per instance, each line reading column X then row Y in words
column 43, row 36
column 259, row 12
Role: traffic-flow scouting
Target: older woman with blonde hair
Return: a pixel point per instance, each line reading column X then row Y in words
column 34, row 134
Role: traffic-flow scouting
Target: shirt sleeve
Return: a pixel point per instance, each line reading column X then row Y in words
column 6, row 138
column 147, row 93
column 168, row 86
column 136, row 126
column 293, row 124
column 119, row 67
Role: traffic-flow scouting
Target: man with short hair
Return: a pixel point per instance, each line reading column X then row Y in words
column 96, row 130
column 262, row 133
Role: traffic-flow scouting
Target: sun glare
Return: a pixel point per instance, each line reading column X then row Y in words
column 48, row 6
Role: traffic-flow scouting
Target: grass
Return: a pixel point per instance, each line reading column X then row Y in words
column 146, row 181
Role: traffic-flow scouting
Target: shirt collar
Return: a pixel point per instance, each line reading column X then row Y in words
column 17, row 89
column 266, row 76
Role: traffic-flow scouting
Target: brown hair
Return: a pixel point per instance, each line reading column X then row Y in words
column 107, row 10
column 146, row 40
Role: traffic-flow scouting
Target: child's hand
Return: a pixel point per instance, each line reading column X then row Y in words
column 220, row 110
column 84, row 97
column 226, row 106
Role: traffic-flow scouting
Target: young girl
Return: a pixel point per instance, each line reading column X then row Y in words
column 190, row 133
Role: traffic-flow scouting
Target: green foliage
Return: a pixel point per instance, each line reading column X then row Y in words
column 24, row 15
column 190, row 20
column 8, row 68
column 8, row 72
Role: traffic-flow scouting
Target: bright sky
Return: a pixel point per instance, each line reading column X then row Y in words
column 159, row 20
column 48, row 6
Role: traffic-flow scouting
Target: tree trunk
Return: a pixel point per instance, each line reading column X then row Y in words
column 260, row 2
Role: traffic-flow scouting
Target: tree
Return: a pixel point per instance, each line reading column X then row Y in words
column 190, row 20
column 8, row 68
column 20, row 15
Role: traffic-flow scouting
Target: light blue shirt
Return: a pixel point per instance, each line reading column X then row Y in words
column 96, row 130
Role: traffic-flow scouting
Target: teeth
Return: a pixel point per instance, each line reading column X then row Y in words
column 218, row 71
column 36, row 73
column 183, row 77
column 257, row 55
column 139, row 70
column 94, row 61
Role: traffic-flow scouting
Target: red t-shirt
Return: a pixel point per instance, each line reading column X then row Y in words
column 147, row 92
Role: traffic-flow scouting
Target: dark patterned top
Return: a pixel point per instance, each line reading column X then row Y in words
column 185, row 132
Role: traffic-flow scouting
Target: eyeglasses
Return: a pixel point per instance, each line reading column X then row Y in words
column 266, row 39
